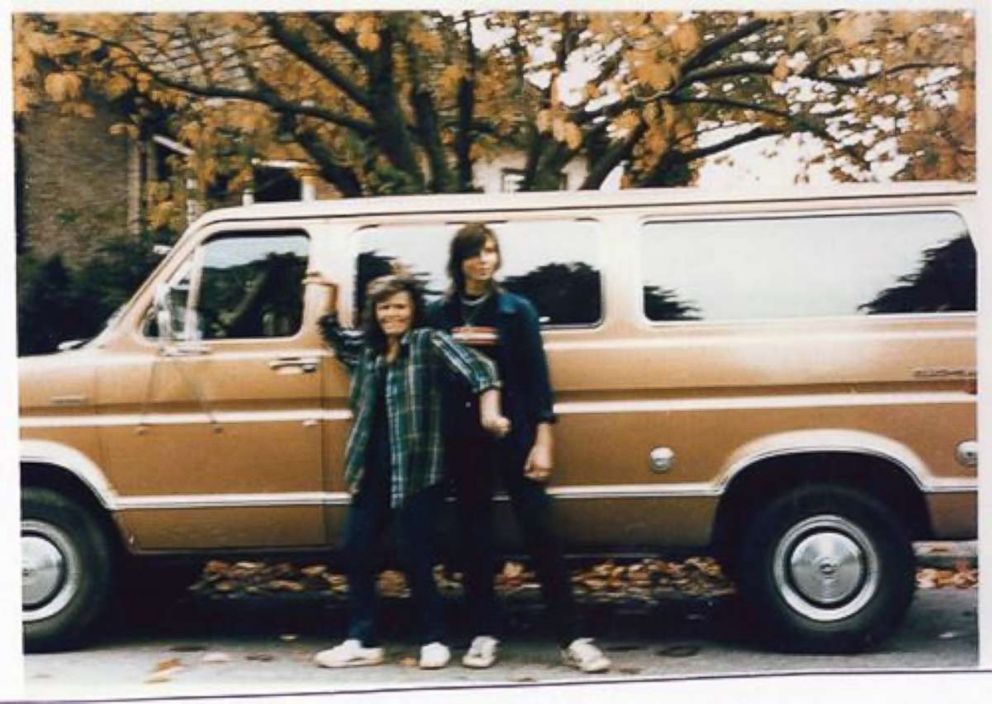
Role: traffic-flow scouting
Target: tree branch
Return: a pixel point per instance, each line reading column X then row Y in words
column 466, row 110
column 711, row 49
column 537, row 141
column 344, row 178
column 294, row 43
column 426, row 117
column 271, row 99
column 725, row 71
column 731, row 103
column 613, row 157
column 749, row 136
column 327, row 24
column 860, row 81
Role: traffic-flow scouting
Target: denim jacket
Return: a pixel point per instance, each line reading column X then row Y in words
column 526, row 393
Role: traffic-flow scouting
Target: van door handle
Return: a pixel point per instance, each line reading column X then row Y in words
column 291, row 365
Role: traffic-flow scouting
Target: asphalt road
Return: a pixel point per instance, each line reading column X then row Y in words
column 164, row 643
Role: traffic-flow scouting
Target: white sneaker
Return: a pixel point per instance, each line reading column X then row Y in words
column 351, row 653
column 482, row 653
column 434, row 656
column 583, row 655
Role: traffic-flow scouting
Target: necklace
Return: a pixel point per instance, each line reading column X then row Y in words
column 470, row 308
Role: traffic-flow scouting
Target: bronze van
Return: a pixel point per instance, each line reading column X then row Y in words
column 787, row 382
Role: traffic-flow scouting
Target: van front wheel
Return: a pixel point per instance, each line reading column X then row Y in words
column 66, row 570
column 826, row 569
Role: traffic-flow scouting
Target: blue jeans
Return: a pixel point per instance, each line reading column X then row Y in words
column 415, row 521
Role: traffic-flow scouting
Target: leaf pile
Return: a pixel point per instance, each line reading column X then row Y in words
column 647, row 580
column 963, row 576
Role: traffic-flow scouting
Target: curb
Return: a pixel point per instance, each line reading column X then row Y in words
column 946, row 554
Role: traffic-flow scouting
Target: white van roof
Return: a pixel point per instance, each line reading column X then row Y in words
column 471, row 203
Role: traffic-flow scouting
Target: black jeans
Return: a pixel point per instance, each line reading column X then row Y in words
column 415, row 522
column 474, row 465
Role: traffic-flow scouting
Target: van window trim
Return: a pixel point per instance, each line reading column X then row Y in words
column 353, row 236
column 646, row 220
column 196, row 258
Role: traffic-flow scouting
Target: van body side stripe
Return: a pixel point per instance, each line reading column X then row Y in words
column 340, row 498
column 561, row 408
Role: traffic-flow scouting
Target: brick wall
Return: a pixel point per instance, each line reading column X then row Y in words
column 76, row 183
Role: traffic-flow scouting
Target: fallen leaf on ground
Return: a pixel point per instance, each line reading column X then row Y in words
column 164, row 670
column 168, row 664
column 285, row 585
column 408, row 662
column 645, row 581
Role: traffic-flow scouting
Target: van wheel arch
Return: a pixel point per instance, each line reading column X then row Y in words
column 755, row 486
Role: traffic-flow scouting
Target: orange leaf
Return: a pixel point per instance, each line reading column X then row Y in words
column 369, row 41
column 685, row 38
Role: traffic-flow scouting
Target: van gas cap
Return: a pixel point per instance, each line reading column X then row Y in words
column 662, row 459
column 967, row 453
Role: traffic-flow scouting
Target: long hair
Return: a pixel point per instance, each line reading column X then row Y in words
column 380, row 289
column 467, row 243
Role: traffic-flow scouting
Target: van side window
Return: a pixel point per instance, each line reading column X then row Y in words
column 770, row 268
column 251, row 285
column 554, row 263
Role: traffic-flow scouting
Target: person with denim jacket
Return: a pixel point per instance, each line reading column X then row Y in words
column 394, row 454
column 504, row 327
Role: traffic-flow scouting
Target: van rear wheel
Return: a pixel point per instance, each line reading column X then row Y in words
column 66, row 562
column 826, row 569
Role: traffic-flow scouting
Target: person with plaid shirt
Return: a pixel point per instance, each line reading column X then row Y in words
column 394, row 455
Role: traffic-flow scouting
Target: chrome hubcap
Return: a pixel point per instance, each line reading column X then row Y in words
column 49, row 569
column 42, row 569
column 826, row 568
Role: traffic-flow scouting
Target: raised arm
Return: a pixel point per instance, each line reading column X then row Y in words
column 346, row 342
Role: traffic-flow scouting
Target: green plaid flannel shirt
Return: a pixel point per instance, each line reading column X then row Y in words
column 413, row 389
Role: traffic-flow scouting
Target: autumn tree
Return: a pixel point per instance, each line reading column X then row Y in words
column 405, row 102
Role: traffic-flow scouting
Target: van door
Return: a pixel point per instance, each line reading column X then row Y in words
column 224, row 449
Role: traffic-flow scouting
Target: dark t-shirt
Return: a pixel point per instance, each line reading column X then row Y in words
column 507, row 330
column 477, row 329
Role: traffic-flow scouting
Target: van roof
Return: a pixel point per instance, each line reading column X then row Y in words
column 471, row 203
